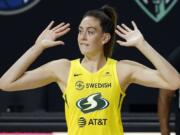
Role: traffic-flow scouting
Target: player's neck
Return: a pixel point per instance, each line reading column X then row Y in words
column 94, row 63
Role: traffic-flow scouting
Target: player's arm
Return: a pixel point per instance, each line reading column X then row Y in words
column 17, row 77
column 164, row 76
column 142, row 75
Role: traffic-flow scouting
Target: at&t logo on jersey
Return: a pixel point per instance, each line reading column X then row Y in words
column 82, row 122
column 91, row 122
column 92, row 103
column 11, row 7
column 156, row 9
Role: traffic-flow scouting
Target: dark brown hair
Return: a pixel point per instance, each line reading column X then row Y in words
column 108, row 21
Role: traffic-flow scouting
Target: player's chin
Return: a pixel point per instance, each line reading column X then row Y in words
column 84, row 51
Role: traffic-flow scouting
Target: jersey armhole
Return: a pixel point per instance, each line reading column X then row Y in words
column 117, row 79
column 68, row 81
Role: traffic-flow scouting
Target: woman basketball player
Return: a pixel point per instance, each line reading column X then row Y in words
column 94, row 86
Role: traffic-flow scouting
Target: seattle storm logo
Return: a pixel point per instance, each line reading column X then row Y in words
column 156, row 9
column 92, row 103
column 11, row 7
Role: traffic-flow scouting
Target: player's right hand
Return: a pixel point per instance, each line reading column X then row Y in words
column 48, row 37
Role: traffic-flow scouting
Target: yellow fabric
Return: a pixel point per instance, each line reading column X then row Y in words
column 93, row 100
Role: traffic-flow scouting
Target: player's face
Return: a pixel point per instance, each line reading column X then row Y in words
column 90, row 36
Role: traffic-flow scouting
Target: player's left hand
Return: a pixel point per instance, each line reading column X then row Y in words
column 132, row 37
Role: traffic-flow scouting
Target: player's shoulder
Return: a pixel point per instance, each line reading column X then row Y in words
column 59, row 64
column 125, row 63
column 60, row 61
column 128, row 63
column 128, row 67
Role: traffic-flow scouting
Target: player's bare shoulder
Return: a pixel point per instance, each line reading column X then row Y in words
column 128, row 65
column 60, row 68
column 123, row 66
column 124, row 72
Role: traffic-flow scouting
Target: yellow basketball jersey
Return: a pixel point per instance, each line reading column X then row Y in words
column 93, row 100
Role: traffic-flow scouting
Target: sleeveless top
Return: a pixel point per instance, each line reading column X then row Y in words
column 93, row 100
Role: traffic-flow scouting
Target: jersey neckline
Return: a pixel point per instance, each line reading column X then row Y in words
column 93, row 73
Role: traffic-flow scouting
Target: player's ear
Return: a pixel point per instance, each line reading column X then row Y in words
column 106, row 38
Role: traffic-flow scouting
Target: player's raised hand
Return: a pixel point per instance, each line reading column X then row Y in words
column 132, row 37
column 48, row 36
